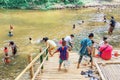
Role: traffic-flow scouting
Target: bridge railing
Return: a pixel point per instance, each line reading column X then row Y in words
column 42, row 57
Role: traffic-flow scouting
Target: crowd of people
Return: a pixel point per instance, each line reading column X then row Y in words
column 86, row 49
column 66, row 44
column 9, row 51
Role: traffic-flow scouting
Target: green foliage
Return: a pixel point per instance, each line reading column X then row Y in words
column 107, row 0
column 18, row 4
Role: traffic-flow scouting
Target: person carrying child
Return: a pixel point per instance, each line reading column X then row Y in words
column 63, row 54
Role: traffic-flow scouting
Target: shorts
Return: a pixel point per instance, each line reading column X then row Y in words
column 14, row 51
column 111, row 29
column 52, row 48
column 61, row 61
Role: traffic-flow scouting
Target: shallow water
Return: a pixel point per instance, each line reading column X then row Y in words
column 37, row 24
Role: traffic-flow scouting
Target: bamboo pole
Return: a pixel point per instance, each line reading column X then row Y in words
column 100, row 72
column 110, row 62
column 93, row 51
column 31, row 68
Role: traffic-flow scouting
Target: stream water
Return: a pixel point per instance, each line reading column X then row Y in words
column 9, row 72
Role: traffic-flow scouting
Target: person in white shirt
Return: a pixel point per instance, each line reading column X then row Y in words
column 69, row 41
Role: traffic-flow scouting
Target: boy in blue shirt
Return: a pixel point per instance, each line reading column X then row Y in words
column 63, row 53
column 85, row 49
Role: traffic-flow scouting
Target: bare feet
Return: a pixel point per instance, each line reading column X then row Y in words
column 85, row 64
column 41, row 70
column 59, row 69
column 78, row 66
column 66, row 70
column 91, row 67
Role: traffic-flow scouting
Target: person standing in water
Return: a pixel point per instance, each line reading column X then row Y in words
column 112, row 25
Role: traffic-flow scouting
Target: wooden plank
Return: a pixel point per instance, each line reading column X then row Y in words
column 103, row 71
column 100, row 72
column 109, row 71
column 110, row 62
column 51, row 70
column 61, row 79
column 116, row 69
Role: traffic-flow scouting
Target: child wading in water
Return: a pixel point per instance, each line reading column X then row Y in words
column 10, row 34
column 5, row 50
column 6, row 59
column 63, row 54
column 11, row 28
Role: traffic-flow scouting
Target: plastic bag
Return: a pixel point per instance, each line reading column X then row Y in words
column 66, row 63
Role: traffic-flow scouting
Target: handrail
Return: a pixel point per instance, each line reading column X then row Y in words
column 31, row 64
column 39, row 67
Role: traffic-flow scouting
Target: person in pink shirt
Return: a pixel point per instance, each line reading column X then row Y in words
column 106, row 51
column 60, row 42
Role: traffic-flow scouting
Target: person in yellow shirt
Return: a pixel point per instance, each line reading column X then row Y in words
column 50, row 44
